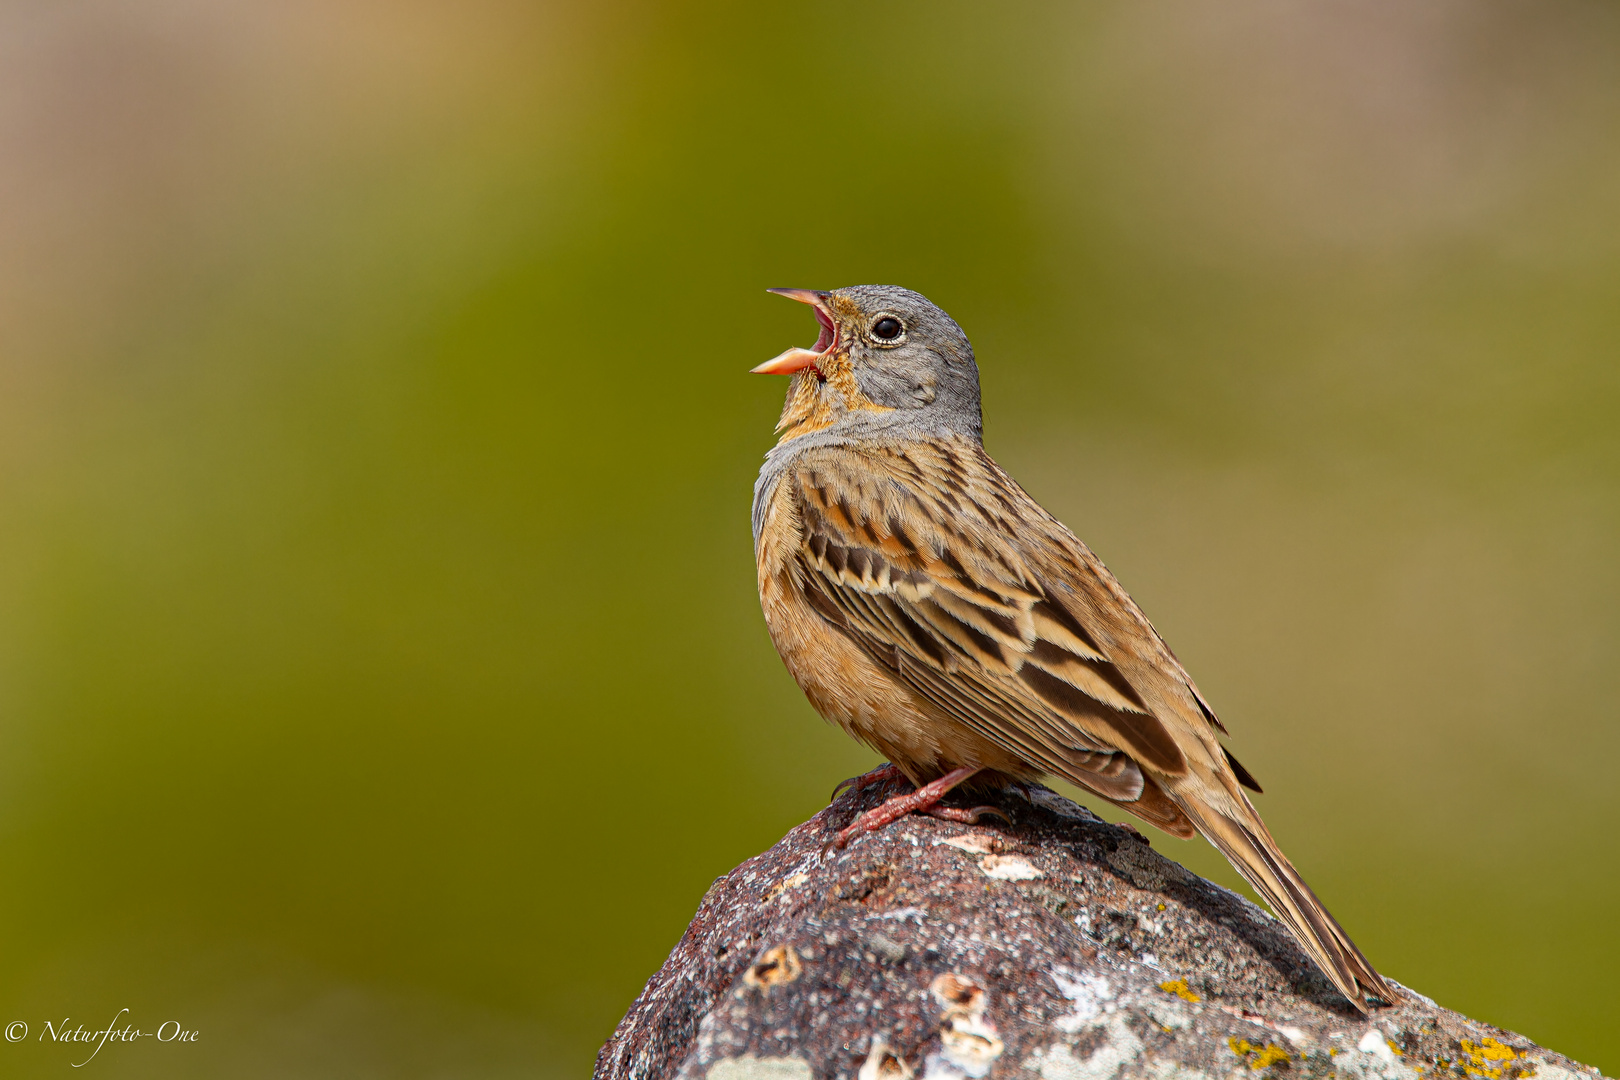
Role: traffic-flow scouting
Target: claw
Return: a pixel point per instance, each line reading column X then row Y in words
column 883, row 772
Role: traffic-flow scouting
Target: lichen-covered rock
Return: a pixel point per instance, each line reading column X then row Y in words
column 1058, row 947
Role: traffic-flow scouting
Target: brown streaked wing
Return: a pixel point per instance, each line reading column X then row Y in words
column 1034, row 734
column 936, row 590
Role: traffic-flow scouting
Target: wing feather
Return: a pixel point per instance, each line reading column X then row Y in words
column 932, row 582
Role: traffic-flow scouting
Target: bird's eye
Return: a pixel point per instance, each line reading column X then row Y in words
column 887, row 328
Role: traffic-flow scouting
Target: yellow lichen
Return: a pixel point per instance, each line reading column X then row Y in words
column 1271, row 1055
column 1179, row 988
column 1264, row 1056
column 1481, row 1056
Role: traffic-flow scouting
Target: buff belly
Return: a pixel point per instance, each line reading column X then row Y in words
column 847, row 688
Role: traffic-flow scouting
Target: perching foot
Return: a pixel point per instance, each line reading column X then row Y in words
column 892, row 809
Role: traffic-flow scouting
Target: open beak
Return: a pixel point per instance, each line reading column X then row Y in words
column 798, row 359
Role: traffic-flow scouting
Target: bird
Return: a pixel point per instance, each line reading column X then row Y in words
column 927, row 605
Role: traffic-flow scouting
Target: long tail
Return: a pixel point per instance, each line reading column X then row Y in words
column 1248, row 846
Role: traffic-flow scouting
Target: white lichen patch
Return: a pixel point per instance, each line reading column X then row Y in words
column 937, row 1067
column 1545, row 1071
column 1054, row 1063
column 1168, row 1012
column 749, row 1067
column 1373, row 1059
column 1165, row 1069
column 971, row 1044
column 978, row 843
column 1089, row 995
column 1008, row 868
column 1118, row 1048
column 1374, row 1042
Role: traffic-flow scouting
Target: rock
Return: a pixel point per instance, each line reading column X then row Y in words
column 1058, row 947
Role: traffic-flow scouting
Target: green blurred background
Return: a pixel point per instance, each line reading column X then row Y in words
column 382, row 680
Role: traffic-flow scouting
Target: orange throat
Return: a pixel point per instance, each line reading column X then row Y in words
column 816, row 401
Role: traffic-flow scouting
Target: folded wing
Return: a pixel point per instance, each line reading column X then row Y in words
column 934, row 569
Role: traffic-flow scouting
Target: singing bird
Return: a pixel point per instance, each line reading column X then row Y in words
column 933, row 610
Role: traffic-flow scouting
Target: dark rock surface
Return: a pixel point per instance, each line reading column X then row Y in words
column 1058, row 947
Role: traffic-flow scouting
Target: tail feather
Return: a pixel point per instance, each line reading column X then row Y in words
column 1248, row 846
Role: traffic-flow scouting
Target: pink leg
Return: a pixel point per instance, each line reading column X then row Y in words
column 878, row 775
column 899, row 806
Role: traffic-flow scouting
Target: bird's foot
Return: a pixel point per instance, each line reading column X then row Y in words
column 883, row 772
column 897, row 807
column 967, row 817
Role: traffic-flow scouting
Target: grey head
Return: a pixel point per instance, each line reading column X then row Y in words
column 887, row 362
